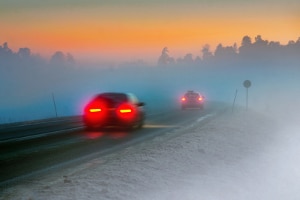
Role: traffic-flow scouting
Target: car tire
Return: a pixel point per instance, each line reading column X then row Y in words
column 140, row 125
column 91, row 128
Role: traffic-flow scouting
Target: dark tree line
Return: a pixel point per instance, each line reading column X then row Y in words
column 24, row 58
column 257, row 51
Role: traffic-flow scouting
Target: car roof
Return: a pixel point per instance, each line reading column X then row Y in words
column 192, row 92
column 120, row 96
column 113, row 95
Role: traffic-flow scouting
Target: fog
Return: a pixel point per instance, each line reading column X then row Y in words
column 31, row 84
column 252, row 157
column 28, row 95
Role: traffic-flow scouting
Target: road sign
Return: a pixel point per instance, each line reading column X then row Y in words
column 247, row 83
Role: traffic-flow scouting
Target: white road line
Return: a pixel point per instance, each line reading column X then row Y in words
column 205, row 116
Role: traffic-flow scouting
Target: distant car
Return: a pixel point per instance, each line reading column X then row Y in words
column 192, row 99
column 114, row 110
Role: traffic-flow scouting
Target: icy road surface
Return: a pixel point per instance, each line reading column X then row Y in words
column 234, row 156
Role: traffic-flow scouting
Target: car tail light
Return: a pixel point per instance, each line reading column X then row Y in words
column 200, row 98
column 95, row 110
column 126, row 111
column 183, row 99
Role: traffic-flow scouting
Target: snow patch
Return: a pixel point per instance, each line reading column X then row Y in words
column 241, row 155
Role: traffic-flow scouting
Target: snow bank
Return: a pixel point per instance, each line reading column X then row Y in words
column 241, row 155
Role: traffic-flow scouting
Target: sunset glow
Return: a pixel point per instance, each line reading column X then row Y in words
column 140, row 31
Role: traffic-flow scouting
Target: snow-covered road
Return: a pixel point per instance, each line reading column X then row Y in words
column 241, row 155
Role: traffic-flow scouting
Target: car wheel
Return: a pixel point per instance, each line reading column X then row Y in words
column 141, row 124
column 91, row 128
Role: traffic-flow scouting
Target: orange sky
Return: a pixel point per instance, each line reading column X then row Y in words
column 132, row 32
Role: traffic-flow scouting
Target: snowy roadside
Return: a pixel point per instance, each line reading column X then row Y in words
column 234, row 156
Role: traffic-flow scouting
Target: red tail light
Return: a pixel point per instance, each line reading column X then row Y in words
column 95, row 107
column 126, row 111
column 183, row 99
column 95, row 110
column 200, row 98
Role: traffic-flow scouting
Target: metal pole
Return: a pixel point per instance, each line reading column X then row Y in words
column 236, row 91
column 247, row 99
column 54, row 104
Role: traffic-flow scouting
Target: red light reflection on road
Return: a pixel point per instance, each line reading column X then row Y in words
column 94, row 135
column 118, row 135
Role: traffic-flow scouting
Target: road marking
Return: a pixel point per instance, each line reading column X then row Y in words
column 160, row 126
column 205, row 116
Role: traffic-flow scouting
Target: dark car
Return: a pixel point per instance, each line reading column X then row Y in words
column 114, row 110
column 192, row 99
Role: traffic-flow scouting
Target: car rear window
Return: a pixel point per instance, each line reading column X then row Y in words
column 113, row 99
column 192, row 95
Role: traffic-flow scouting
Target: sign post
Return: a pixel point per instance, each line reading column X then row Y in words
column 236, row 91
column 53, row 99
column 247, row 84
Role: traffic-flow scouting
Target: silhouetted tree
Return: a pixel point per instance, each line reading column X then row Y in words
column 198, row 60
column 58, row 58
column 188, row 59
column 292, row 51
column 7, row 57
column 260, row 41
column 206, row 53
column 246, row 50
column 246, row 41
column 24, row 53
column 164, row 58
column 228, row 52
column 70, row 59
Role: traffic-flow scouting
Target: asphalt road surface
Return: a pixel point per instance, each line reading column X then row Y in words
column 21, row 159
